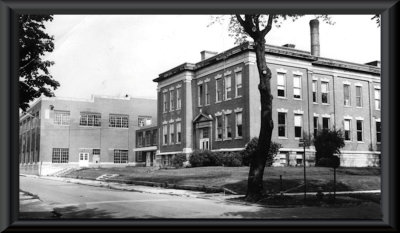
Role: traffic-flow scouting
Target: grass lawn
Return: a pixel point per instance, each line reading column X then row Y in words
column 235, row 178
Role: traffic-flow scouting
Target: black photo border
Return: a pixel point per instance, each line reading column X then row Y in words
column 9, row 180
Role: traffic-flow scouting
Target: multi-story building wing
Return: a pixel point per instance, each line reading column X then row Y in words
column 215, row 103
column 61, row 133
column 147, row 145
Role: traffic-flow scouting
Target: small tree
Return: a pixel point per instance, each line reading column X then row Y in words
column 251, row 147
column 327, row 142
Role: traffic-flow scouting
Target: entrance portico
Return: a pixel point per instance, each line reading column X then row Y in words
column 202, row 131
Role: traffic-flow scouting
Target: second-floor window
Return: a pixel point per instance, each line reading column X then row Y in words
column 144, row 121
column 61, row 117
column 165, row 134
column 140, row 139
column 314, row 91
column 325, row 122
column 178, row 98
column 315, row 123
column 359, row 125
column 228, row 129
column 119, row 121
column 358, row 96
column 281, row 84
column 165, row 102
column 178, row 132
column 238, row 83
column 281, row 124
column 346, row 92
column 297, row 87
column 378, row 131
column 171, row 100
column 218, row 84
column 228, row 88
column 239, row 125
column 377, row 99
column 171, row 133
column 298, row 124
column 207, row 91
column 218, row 126
column 90, row 119
column 347, row 131
column 324, row 92
column 200, row 95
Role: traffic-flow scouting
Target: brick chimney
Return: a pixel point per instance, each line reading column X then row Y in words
column 207, row 54
column 314, row 30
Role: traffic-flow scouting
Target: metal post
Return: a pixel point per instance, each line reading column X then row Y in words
column 305, row 180
column 334, row 185
column 280, row 188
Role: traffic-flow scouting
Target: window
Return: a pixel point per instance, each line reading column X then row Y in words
column 171, row 100
column 377, row 99
column 139, row 139
column 218, row 125
column 228, row 88
column 60, row 155
column 297, row 87
column 346, row 92
column 238, row 82
column 96, row 152
column 165, row 134
column 61, row 117
column 218, row 84
column 359, row 125
column 207, row 91
column 178, row 98
column 228, row 130
column 171, row 133
column 324, row 92
column 314, row 91
column 118, row 121
column 239, row 125
column 147, row 138
column 200, row 95
column 298, row 122
column 144, row 121
column 120, row 156
column 315, row 126
column 139, row 156
column 347, row 126
column 358, row 96
column 378, row 131
column 325, row 122
column 165, row 102
column 178, row 132
column 90, row 119
column 281, row 84
column 281, row 124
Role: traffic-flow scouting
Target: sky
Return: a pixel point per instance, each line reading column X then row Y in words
column 115, row 55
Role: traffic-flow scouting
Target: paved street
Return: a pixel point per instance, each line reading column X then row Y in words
column 82, row 201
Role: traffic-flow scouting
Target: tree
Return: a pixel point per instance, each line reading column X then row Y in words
column 251, row 147
column 328, row 142
column 34, row 76
column 257, row 26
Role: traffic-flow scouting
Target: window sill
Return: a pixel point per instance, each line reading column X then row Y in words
column 283, row 138
column 361, row 142
column 217, row 102
column 238, row 137
column 315, row 103
column 347, row 140
column 325, row 104
column 227, row 99
column 237, row 97
column 218, row 140
column 359, row 107
column 178, row 143
column 282, row 97
column 347, row 106
column 227, row 139
column 297, row 98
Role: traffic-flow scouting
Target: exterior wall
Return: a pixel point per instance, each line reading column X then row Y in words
column 79, row 138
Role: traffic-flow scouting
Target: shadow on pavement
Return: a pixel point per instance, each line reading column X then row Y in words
column 73, row 212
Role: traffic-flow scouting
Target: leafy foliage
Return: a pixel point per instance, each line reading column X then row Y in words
column 34, row 76
column 233, row 159
column 377, row 19
column 251, row 147
column 328, row 142
column 201, row 158
column 178, row 160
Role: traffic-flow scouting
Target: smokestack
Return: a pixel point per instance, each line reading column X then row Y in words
column 314, row 30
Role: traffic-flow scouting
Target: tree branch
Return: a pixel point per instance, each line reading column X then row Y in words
column 246, row 24
column 269, row 25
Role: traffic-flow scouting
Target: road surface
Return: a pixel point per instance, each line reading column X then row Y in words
column 81, row 201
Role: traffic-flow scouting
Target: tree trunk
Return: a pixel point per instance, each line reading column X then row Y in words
column 257, row 164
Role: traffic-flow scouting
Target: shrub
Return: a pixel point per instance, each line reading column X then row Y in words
column 178, row 160
column 202, row 158
column 232, row 159
column 327, row 143
column 251, row 148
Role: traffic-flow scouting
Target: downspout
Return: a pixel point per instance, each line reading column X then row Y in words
column 370, row 113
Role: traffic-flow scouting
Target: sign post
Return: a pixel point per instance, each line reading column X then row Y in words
column 303, row 143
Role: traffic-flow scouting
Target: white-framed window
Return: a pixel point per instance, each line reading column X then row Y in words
column 228, row 129
column 178, row 98
column 325, row 92
column 165, row 134
column 282, row 124
column 207, row 93
column 60, row 155
column 118, row 121
column 326, row 122
column 171, row 133
column 297, row 87
column 377, row 94
column 171, row 100
column 178, row 132
column 378, row 131
column 120, row 156
column 239, row 125
column 315, row 124
column 281, row 84
column 218, row 127
column 228, row 88
column 359, row 127
column 139, row 139
column 200, row 95
column 96, row 151
column 144, row 121
column 359, row 101
column 165, row 102
column 347, row 129
column 90, row 119
column 219, row 90
column 61, row 117
column 238, row 83
column 314, row 91
column 298, row 125
column 346, row 95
